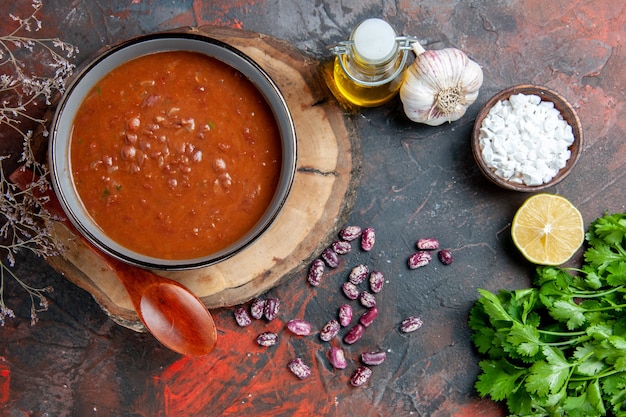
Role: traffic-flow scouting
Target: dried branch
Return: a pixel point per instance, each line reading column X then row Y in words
column 32, row 71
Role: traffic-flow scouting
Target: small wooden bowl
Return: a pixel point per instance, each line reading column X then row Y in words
column 561, row 104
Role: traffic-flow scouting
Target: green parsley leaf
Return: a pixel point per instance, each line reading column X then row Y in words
column 610, row 228
column 493, row 307
column 559, row 348
column 499, row 379
column 589, row 364
column 525, row 338
column 601, row 256
column 588, row 404
column 569, row 312
column 616, row 273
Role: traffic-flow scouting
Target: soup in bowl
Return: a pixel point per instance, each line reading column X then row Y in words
column 172, row 151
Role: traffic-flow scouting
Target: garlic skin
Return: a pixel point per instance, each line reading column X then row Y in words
column 440, row 85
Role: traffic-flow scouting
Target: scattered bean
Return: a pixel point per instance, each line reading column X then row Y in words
column 270, row 309
column 354, row 334
column 350, row 233
column 330, row 330
column 242, row 317
column 299, row 368
column 330, row 257
column 337, row 358
column 267, row 339
column 299, row 327
column 341, row 247
column 411, row 324
column 367, row 299
column 445, row 256
column 377, row 280
column 350, row 290
column 360, row 376
column 358, row 274
column 419, row 259
column 257, row 307
column 345, row 315
column 427, row 243
column 368, row 238
column 373, row 358
column 316, row 271
column 368, row 317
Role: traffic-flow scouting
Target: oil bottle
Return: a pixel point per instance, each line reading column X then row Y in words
column 368, row 67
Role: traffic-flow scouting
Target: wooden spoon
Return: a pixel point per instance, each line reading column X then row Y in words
column 174, row 315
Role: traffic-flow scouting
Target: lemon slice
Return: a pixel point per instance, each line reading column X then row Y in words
column 548, row 229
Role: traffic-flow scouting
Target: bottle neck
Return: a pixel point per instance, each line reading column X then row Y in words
column 366, row 70
column 366, row 73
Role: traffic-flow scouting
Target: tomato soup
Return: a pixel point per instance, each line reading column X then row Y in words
column 175, row 155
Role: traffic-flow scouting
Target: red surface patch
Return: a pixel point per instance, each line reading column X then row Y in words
column 5, row 381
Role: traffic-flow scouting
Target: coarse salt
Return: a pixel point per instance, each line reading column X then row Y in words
column 525, row 140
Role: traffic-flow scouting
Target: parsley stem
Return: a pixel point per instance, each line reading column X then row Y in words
column 595, row 294
column 580, row 333
column 608, row 372
column 615, row 307
column 565, row 342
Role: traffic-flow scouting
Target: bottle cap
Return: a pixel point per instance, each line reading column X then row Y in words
column 374, row 41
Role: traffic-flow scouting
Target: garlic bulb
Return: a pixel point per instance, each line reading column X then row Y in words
column 440, row 85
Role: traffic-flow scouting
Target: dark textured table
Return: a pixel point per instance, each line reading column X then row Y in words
column 417, row 181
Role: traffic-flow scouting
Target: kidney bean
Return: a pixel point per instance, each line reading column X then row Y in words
column 299, row 327
column 354, row 334
column 377, row 280
column 267, row 339
column 242, row 317
column 128, row 152
column 350, row 233
column 341, row 247
column 427, row 243
column 257, row 307
column 445, row 256
column 368, row 317
column 368, row 238
column 367, row 299
column 270, row 309
column 419, row 259
column 345, row 315
column 373, row 358
column 330, row 257
column 133, row 123
column 299, row 368
column 337, row 358
column 360, row 376
column 358, row 274
column 316, row 271
column 411, row 324
column 329, row 330
column 350, row 290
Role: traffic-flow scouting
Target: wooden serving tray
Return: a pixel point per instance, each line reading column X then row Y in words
column 328, row 171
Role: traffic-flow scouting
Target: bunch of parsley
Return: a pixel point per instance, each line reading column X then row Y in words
column 559, row 348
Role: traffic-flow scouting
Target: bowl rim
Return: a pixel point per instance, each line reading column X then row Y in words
column 547, row 94
column 114, row 56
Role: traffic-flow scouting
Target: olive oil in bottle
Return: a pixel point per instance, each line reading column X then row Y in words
column 368, row 68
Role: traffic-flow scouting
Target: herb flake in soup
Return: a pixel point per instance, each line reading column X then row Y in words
column 175, row 155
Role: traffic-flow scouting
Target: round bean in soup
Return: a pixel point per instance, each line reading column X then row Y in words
column 175, row 155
